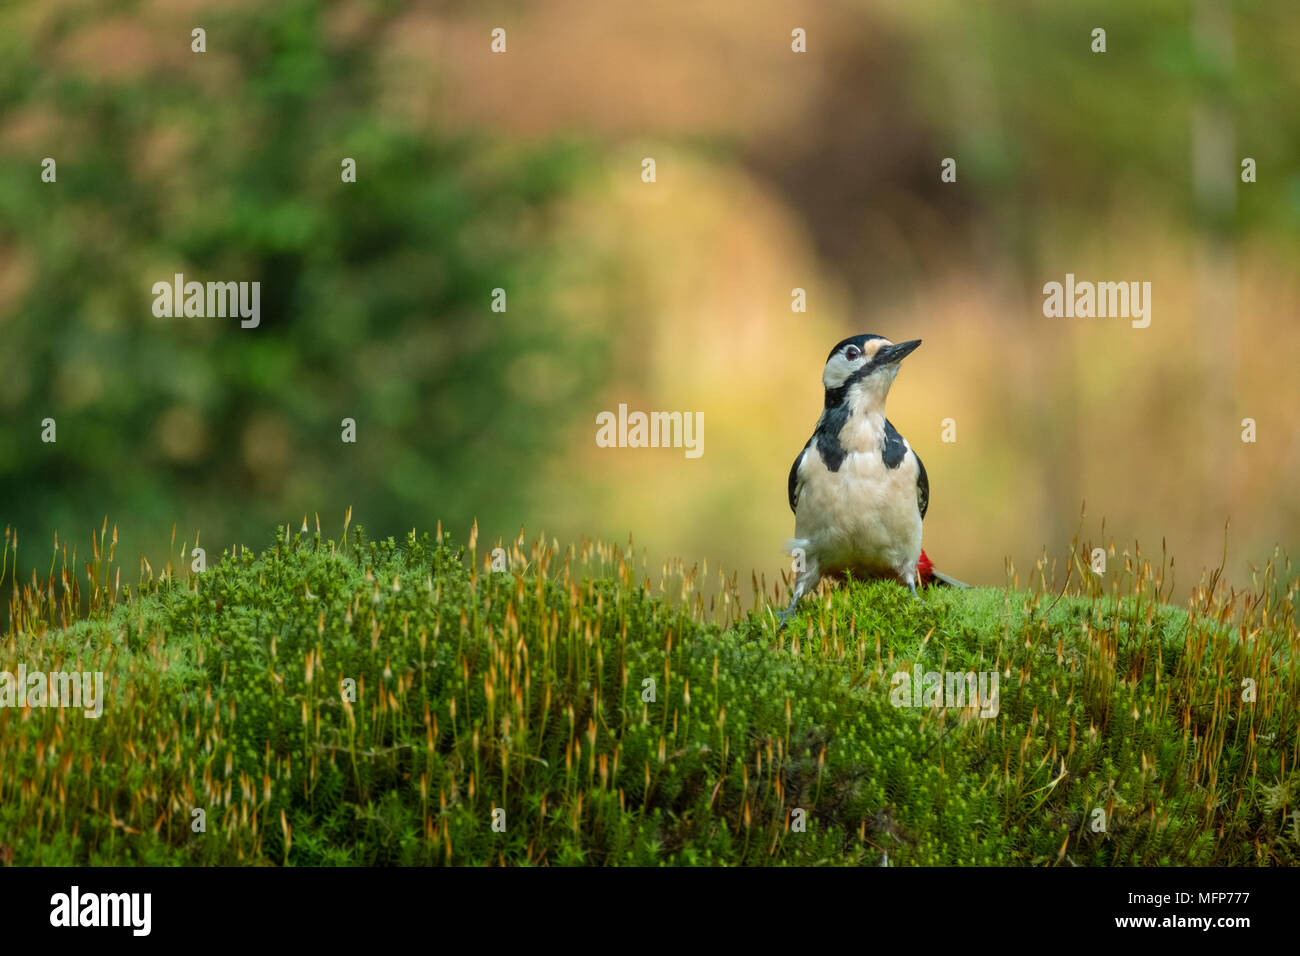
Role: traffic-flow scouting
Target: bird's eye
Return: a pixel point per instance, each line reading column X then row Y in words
column 853, row 353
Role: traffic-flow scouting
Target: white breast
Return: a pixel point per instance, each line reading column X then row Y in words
column 863, row 516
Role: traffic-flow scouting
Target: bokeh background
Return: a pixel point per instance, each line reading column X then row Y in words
column 522, row 170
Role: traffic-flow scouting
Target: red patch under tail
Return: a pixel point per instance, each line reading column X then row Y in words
column 925, row 570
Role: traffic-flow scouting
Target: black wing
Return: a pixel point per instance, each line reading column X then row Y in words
column 893, row 451
column 922, row 485
column 793, row 488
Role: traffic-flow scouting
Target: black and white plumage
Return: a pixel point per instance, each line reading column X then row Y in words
column 857, row 489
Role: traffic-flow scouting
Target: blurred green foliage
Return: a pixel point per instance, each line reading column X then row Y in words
column 375, row 298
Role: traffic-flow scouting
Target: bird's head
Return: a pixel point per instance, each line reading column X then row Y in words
column 861, row 368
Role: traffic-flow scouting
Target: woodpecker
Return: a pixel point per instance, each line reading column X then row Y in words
column 858, row 491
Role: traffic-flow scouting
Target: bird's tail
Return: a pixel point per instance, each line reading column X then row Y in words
column 928, row 576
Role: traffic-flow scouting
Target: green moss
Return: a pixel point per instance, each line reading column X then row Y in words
column 478, row 691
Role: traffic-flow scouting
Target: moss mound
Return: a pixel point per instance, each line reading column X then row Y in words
column 376, row 703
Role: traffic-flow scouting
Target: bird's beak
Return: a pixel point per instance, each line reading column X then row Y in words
column 896, row 353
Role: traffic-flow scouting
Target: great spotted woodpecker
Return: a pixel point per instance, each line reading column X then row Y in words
column 858, row 491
